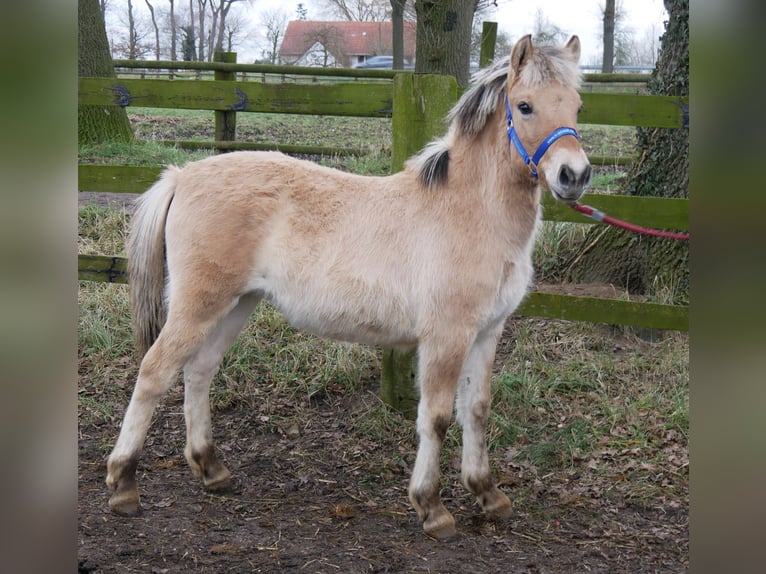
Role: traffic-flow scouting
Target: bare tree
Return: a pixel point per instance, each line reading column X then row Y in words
column 360, row 10
column 224, row 6
column 607, row 63
column 132, row 34
column 624, row 37
column 201, row 12
column 275, row 22
column 621, row 47
column 236, row 25
column 330, row 43
column 545, row 31
column 191, row 32
column 648, row 47
column 156, row 30
column 173, row 30
column 130, row 42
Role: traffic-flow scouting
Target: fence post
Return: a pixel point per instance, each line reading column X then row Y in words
column 225, row 122
column 421, row 102
column 488, row 41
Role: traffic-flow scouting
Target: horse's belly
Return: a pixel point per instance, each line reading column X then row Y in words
column 352, row 330
column 330, row 311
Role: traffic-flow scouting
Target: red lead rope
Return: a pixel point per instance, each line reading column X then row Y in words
column 601, row 216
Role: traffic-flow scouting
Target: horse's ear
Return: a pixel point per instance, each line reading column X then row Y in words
column 522, row 51
column 573, row 46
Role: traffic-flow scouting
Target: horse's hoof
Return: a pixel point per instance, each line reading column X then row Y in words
column 500, row 509
column 219, row 481
column 441, row 527
column 125, row 504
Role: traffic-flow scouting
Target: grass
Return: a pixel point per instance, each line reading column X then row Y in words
column 607, row 140
column 153, row 124
column 138, row 152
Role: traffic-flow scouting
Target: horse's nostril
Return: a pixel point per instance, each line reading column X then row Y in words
column 586, row 176
column 566, row 176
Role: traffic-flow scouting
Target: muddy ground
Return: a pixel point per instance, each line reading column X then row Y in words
column 321, row 496
column 305, row 502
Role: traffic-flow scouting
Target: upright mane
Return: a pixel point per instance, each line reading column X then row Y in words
column 471, row 113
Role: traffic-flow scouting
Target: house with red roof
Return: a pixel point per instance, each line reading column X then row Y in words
column 341, row 44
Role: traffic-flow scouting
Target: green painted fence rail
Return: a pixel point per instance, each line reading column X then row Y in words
column 605, row 310
column 665, row 213
column 281, row 70
column 345, row 99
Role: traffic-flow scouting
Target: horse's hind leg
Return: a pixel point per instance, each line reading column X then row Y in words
column 198, row 374
column 179, row 339
column 158, row 370
column 473, row 404
column 439, row 370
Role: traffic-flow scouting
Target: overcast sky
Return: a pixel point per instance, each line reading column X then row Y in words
column 514, row 17
column 517, row 17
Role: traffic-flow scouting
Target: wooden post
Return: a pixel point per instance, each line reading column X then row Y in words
column 421, row 103
column 488, row 41
column 225, row 121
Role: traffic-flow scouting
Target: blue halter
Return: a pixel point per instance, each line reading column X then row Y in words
column 546, row 143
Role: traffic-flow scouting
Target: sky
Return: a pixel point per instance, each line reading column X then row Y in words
column 514, row 17
column 517, row 17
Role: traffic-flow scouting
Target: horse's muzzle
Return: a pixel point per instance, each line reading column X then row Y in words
column 571, row 184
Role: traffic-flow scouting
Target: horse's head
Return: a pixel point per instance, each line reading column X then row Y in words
column 541, row 106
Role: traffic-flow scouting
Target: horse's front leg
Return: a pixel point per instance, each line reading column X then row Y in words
column 438, row 373
column 473, row 404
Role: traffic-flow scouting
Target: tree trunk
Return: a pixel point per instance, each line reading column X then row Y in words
column 173, row 31
column 191, row 29
column 397, row 27
column 156, row 30
column 607, row 64
column 132, row 34
column 639, row 263
column 443, row 44
column 96, row 124
column 201, row 14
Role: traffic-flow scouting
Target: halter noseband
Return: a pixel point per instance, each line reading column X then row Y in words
column 513, row 137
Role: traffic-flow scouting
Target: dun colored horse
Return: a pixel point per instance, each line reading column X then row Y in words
column 436, row 256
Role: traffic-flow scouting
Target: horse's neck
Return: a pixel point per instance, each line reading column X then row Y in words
column 498, row 178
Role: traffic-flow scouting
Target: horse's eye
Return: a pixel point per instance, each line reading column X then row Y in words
column 525, row 108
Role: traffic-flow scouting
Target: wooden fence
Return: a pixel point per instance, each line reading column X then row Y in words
column 399, row 97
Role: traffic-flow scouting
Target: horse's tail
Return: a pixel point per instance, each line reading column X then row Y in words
column 146, row 260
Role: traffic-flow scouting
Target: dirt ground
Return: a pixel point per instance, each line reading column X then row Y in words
column 316, row 497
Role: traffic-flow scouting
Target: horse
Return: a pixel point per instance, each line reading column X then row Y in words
column 436, row 256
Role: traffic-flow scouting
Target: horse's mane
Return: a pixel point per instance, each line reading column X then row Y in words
column 471, row 113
